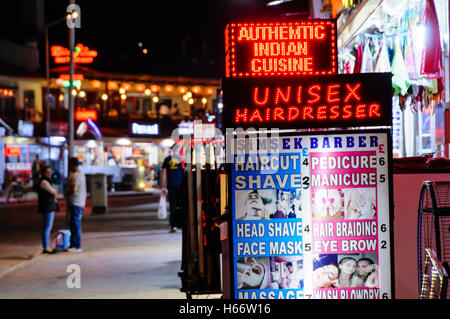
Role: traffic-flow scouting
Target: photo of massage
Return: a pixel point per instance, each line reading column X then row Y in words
column 345, row 203
column 286, row 272
column 267, row 204
column 275, row 272
column 345, row 271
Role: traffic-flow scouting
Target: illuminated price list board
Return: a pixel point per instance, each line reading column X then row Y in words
column 311, row 216
column 281, row 48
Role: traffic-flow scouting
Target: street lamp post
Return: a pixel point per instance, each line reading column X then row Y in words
column 71, row 75
column 70, row 132
column 47, row 71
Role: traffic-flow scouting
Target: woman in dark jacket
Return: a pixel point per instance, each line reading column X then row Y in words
column 46, row 206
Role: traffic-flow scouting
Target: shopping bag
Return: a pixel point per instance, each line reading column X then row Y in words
column 162, row 207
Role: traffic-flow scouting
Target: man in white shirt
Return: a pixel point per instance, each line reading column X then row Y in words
column 76, row 198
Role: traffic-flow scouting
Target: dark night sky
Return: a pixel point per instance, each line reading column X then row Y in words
column 183, row 37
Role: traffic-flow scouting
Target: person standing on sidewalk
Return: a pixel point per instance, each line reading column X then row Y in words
column 172, row 174
column 46, row 205
column 76, row 199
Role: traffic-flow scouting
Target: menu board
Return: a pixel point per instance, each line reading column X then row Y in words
column 311, row 216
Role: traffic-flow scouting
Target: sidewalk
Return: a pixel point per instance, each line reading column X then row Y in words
column 20, row 225
column 127, row 253
column 32, row 196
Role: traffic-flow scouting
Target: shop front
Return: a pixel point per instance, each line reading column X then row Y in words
column 130, row 163
column 20, row 152
column 410, row 39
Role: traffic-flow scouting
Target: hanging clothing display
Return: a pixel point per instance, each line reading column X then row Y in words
column 398, row 44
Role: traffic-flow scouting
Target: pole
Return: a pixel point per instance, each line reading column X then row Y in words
column 71, row 96
column 47, row 91
column 47, row 94
column 70, row 131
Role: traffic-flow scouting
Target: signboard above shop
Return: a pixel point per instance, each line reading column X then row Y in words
column 340, row 100
column 82, row 54
column 144, row 129
column 281, row 48
column 84, row 115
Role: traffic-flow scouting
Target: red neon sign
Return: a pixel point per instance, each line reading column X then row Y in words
column 281, row 49
column 76, row 77
column 82, row 54
column 84, row 115
column 12, row 151
column 308, row 102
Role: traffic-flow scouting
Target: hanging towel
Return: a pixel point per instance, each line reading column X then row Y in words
column 382, row 64
column 359, row 55
column 431, row 55
column 367, row 60
column 400, row 79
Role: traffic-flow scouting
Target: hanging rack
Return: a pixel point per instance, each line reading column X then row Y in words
column 368, row 35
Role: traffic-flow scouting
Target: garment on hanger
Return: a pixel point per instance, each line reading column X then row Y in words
column 431, row 55
column 359, row 55
column 400, row 78
column 367, row 59
column 382, row 63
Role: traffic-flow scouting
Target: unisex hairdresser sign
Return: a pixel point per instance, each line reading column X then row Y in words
column 311, row 217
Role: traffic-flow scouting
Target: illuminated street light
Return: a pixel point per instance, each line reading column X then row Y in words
column 191, row 101
column 147, row 92
column 155, row 99
column 204, row 100
column 74, row 92
column 122, row 91
column 82, row 94
column 104, row 96
column 123, row 96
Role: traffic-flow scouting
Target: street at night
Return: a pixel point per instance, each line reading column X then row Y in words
column 127, row 253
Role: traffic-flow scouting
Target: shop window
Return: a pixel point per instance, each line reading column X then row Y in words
column 139, row 106
column 147, row 104
column 8, row 109
column 28, row 99
column 426, row 131
column 28, row 103
column 130, row 106
column 163, row 106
